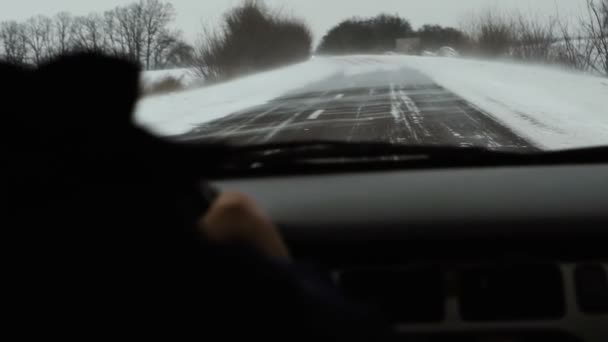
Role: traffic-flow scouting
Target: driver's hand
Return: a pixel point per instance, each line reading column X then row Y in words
column 234, row 217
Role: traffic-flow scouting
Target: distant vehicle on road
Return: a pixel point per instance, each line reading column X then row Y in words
column 447, row 51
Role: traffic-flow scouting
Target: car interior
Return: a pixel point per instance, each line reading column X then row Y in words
column 384, row 174
column 504, row 252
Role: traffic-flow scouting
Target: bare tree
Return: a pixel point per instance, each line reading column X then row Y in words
column 88, row 34
column 139, row 31
column 170, row 50
column 129, row 28
column 113, row 35
column 209, row 47
column 492, row 31
column 572, row 51
column 534, row 38
column 142, row 30
column 588, row 49
column 597, row 31
column 38, row 36
column 156, row 17
column 180, row 54
column 14, row 45
column 63, row 40
column 605, row 12
column 251, row 38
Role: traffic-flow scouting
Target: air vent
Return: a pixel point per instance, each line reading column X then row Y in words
column 592, row 288
column 512, row 292
column 403, row 295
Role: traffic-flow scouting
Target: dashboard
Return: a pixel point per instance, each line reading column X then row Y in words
column 473, row 254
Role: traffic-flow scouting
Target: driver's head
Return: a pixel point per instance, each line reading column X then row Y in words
column 77, row 163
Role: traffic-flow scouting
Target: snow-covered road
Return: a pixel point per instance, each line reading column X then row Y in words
column 414, row 100
column 401, row 106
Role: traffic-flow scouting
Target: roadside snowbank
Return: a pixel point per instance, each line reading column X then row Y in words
column 554, row 109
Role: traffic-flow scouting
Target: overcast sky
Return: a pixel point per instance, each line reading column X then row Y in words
column 320, row 14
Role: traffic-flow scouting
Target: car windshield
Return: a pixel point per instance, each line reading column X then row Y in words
column 519, row 75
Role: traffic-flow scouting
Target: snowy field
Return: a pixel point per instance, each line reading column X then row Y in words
column 552, row 108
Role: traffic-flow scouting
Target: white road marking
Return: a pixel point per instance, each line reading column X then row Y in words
column 454, row 133
column 233, row 129
column 280, row 127
column 394, row 105
column 316, row 114
column 339, row 96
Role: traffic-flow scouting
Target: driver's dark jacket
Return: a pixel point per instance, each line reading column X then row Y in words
column 101, row 240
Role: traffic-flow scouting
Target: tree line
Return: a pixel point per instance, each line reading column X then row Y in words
column 252, row 37
column 379, row 34
column 365, row 35
column 489, row 33
column 139, row 32
column 579, row 43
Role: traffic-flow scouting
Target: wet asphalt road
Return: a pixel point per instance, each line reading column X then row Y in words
column 401, row 106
